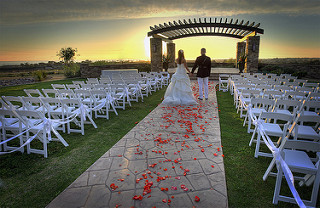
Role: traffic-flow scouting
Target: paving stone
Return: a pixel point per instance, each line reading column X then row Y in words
column 216, row 177
column 119, row 163
column 199, row 181
column 124, row 199
column 115, row 151
column 98, row 177
column 115, row 177
column 173, row 182
column 191, row 154
column 209, row 198
column 137, row 165
column 180, row 200
column 92, row 188
column 135, row 153
column 71, row 197
column 101, row 164
column 99, row 197
column 193, row 166
column 154, row 201
column 132, row 142
column 82, row 180
column 207, row 166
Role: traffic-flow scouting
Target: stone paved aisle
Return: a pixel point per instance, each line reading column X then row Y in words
column 170, row 158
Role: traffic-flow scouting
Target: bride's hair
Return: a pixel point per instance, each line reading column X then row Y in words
column 180, row 56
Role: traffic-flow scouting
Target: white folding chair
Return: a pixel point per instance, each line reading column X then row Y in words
column 72, row 86
column 10, row 127
column 73, row 107
column 78, row 82
column 245, row 99
column 92, row 81
column 311, row 108
column 50, row 93
column 269, row 121
column 34, row 104
column 14, row 102
column 63, row 93
column 104, row 98
column 54, row 110
column 295, row 156
column 40, row 130
column 289, row 107
column 58, row 86
column 224, row 82
column 33, row 92
column 256, row 107
column 295, row 95
column 307, row 127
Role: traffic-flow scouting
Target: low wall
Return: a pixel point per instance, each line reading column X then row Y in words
column 88, row 71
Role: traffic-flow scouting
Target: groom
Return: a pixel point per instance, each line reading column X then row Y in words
column 204, row 64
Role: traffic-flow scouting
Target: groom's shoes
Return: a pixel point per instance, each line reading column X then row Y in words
column 200, row 98
column 206, row 98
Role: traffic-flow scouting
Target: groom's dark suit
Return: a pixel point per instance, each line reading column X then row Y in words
column 204, row 64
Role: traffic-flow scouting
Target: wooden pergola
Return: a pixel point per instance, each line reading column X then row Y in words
column 246, row 31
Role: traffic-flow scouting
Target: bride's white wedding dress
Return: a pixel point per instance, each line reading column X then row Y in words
column 179, row 91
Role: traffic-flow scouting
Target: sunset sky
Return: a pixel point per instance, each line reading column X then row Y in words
column 34, row 30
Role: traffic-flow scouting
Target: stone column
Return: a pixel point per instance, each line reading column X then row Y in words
column 252, row 52
column 241, row 50
column 156, row 54
column 171, row 51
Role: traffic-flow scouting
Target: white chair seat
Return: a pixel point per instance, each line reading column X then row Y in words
column 16, row 126
column 298, row 160
column 309, row 113
column 11, row 120
column 272, row 129
column 306, row 132
column 257, row 111
column 283, row 112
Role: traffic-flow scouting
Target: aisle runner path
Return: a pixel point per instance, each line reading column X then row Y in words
column 172, row 158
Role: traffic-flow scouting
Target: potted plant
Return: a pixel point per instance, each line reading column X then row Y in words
column 165, row 62
column 241, row 62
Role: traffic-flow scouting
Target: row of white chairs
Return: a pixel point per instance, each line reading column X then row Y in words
column 39, row 118
column 287, row 122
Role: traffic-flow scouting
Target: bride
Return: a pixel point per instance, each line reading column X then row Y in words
column 179, row 91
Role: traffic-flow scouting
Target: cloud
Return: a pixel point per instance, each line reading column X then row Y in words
column 32, row 11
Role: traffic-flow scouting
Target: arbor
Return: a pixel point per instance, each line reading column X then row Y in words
column 67, row 54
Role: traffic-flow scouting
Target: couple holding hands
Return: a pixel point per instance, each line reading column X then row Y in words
column 179, row 91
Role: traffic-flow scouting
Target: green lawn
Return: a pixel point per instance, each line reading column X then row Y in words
column 244, row 172
column 33, row 181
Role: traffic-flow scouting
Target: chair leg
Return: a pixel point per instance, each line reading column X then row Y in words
column 252, row 137
column 256, row 153
column 269, row 169
column 277, row 186
column 315, row 189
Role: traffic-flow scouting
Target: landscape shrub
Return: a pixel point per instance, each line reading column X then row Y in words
column 40, row 75
column 144, row 68
column 71, row 70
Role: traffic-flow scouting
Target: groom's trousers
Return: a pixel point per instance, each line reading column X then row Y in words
column 201, row 82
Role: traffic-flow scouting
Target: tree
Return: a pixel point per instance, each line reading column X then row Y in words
column 67, row 54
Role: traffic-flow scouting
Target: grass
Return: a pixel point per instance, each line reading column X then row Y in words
column 244, row 172
column 33, row 181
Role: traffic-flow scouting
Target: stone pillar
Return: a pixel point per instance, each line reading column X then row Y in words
column 252, row 52
column 156, row 54
column 241, row 50
column 171, row 51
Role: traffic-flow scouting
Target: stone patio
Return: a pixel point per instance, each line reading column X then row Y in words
column 177, row 148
